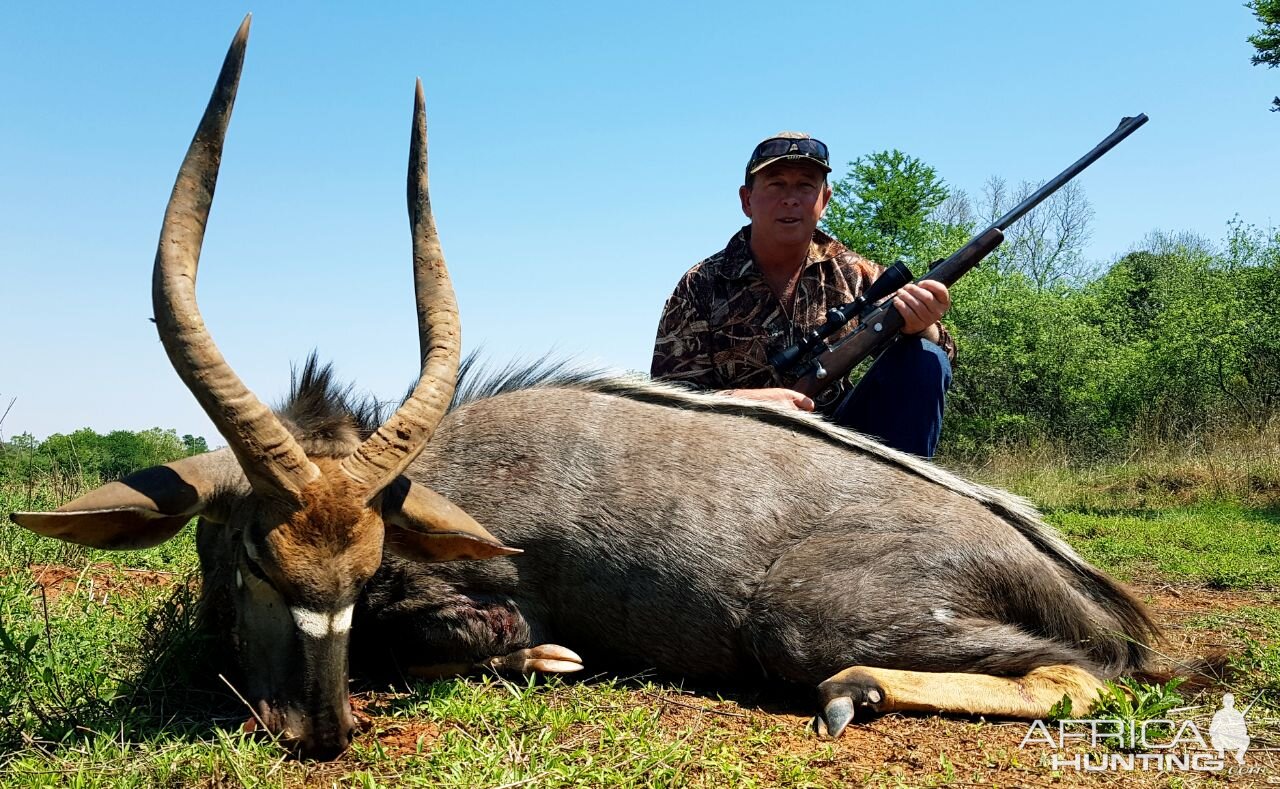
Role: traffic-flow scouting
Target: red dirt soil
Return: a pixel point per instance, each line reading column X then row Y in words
column 95, row 581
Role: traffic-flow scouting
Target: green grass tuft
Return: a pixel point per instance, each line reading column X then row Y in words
column 1223, row 546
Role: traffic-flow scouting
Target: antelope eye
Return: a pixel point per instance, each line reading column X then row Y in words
column 255, row 569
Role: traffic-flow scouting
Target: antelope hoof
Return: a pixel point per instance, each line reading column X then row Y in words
column 834, row 717
column 842, row 696
column 542, row 659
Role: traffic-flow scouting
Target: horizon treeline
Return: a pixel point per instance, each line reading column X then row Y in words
column 87, row 454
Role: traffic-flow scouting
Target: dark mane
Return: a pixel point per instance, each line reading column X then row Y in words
column 326, row 416
column 475, row 382
column 330, row 420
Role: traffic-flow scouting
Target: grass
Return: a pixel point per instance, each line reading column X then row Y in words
column 1240, row 468
column 76, row 655
column 100, row 682
column 1205, row 514
column 451, row 733
column 496, row 733
column 1224, row 546
column 1255, row 653
column 1199, row 516
column 19, row 548
column 98, row 692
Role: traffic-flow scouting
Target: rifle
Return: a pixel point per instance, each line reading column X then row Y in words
column 879, row 323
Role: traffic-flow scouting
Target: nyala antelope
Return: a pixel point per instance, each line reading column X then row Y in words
column 650, row 526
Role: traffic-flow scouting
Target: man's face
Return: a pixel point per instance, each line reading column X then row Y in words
column 785, row 202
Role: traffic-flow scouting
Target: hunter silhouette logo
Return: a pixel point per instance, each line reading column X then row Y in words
column 1228, row 731
column 1157, row 745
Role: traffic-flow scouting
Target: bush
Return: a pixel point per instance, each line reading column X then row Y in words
column 88, row 455
column 1174, row 341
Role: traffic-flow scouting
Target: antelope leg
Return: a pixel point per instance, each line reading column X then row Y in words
column 889, row 690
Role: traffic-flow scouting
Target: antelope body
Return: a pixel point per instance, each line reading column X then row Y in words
column 651, row 526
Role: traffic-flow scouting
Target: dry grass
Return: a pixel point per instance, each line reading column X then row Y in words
column 1240, row 467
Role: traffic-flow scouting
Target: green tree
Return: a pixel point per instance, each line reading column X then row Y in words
column 1252, row 266
column 19, row 456
column 81, row 452
column 1154, row 303
column 1176, row 339
column 1202, row 320
column 194, row 445
column 114, row 455
column 1032, row 367
column 883, row 208
column 91, row 457
column 1267, row 40
column 132, row 451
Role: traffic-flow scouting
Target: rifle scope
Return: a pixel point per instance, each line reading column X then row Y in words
column 884, row 285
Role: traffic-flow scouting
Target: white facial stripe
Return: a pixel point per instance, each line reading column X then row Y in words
column 319, row 625
column 313, row 623
column 342, row 620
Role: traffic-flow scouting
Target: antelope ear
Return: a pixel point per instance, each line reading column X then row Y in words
column 423, row 525
column 143, row 509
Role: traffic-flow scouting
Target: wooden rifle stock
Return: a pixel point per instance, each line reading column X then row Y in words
column 884, row 323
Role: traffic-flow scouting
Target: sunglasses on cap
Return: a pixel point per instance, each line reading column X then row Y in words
column 790, row 148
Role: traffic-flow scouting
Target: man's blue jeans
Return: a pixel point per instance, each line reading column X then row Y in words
column 899, row 401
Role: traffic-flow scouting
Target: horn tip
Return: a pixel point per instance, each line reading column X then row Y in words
column 243, row 32
column 419, row 115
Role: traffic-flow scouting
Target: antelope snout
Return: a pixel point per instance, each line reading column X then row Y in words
column 322, row 737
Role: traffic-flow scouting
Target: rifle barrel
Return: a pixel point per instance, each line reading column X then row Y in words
column 1127, row 126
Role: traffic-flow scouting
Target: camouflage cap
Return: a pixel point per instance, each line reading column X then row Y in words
column 778, row 148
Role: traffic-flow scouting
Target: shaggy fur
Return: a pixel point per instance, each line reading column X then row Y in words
column 731, row 576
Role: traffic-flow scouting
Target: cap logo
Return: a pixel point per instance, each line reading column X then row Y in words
column 793, row 147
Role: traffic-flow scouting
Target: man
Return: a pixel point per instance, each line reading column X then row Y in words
column 774, row 282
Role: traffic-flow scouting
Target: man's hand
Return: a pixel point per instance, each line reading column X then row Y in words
column 778, row 396
column 922, row 304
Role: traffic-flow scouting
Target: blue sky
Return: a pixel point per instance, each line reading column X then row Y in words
column 583, row 156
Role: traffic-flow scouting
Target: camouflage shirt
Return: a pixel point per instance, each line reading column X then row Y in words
column 723, row 321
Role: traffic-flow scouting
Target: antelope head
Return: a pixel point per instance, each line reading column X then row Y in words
column 297, row 536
